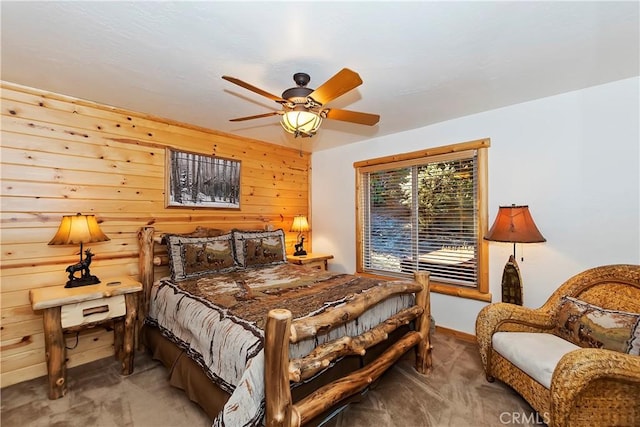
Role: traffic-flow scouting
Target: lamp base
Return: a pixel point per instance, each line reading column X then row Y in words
column 512, row 282
column 85, row 274
column 300, row 248
column 82, row 281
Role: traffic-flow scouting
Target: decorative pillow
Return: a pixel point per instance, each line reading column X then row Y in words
column 256, row 248
column 192, row 257
column 588, row 325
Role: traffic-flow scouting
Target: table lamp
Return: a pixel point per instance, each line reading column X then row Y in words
column 300, row 224
column 81, row 229
column 513, row 224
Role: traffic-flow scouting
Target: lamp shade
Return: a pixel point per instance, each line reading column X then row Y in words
column 514, row 224
column 301, row 122
column 300, row 224
column 78, row 228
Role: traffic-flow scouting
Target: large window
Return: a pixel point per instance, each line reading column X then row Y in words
column 426, row 211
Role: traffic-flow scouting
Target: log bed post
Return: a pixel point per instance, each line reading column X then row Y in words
column 276, row 369
column 423, row 324
column 145, row 265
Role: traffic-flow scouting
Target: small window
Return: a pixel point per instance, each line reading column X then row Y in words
column 426, row 211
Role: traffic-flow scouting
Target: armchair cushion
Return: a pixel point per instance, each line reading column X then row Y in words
column 536, row 354
column 588, row 325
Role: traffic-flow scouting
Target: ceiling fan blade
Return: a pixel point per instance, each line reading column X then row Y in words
column 352, row 116
column 257, row 116
column 341, row 83
column 255, row 89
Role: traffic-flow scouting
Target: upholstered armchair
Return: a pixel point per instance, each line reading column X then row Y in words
column 575, row 359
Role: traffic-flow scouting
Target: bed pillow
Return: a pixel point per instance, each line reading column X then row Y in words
column 258, row 248
column 588, row 325
column 193, row 257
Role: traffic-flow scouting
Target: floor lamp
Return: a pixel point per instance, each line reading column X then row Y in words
column 513, row 224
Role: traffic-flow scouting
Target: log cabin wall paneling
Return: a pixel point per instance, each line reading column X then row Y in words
column 61, row 155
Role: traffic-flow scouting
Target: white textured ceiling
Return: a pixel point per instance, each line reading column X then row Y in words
column 421, row 62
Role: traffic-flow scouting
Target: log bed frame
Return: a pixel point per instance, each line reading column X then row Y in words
column 281, row 330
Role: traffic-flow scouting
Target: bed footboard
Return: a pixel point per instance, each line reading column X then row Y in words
column 281, row 330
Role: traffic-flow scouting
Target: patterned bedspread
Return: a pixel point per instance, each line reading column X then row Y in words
column 219, row 320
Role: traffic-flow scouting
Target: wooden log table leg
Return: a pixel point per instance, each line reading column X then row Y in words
column 128, row 339
column 55, row 353
column 118, row 338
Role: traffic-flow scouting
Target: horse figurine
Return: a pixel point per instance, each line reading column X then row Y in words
column 85, row 275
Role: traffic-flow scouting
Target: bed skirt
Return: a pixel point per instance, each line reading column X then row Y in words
column 188, row 376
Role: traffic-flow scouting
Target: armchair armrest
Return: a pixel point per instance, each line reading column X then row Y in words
column 577, row 369
column 507, row 317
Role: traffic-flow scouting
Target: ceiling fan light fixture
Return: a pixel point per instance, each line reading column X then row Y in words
column 304, row 108
column 301, row 122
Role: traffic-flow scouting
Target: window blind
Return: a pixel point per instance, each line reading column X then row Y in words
column 422, row 215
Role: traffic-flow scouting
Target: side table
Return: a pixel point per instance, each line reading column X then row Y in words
column 315, row 260
column 73, row 309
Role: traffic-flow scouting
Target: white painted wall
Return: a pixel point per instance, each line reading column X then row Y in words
column 573, row 158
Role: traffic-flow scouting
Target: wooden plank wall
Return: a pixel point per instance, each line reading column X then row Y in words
column 61, row 155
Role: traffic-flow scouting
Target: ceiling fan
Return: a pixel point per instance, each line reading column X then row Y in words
column 304, row 108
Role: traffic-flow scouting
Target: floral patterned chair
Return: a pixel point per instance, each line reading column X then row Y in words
column 575, row 359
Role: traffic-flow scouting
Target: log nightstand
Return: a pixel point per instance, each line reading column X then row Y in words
column 311, row 260
column 73, row 309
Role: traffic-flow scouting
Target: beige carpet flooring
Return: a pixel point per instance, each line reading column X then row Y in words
column 454, row 394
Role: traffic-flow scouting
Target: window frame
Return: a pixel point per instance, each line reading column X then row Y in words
column 480, row 146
